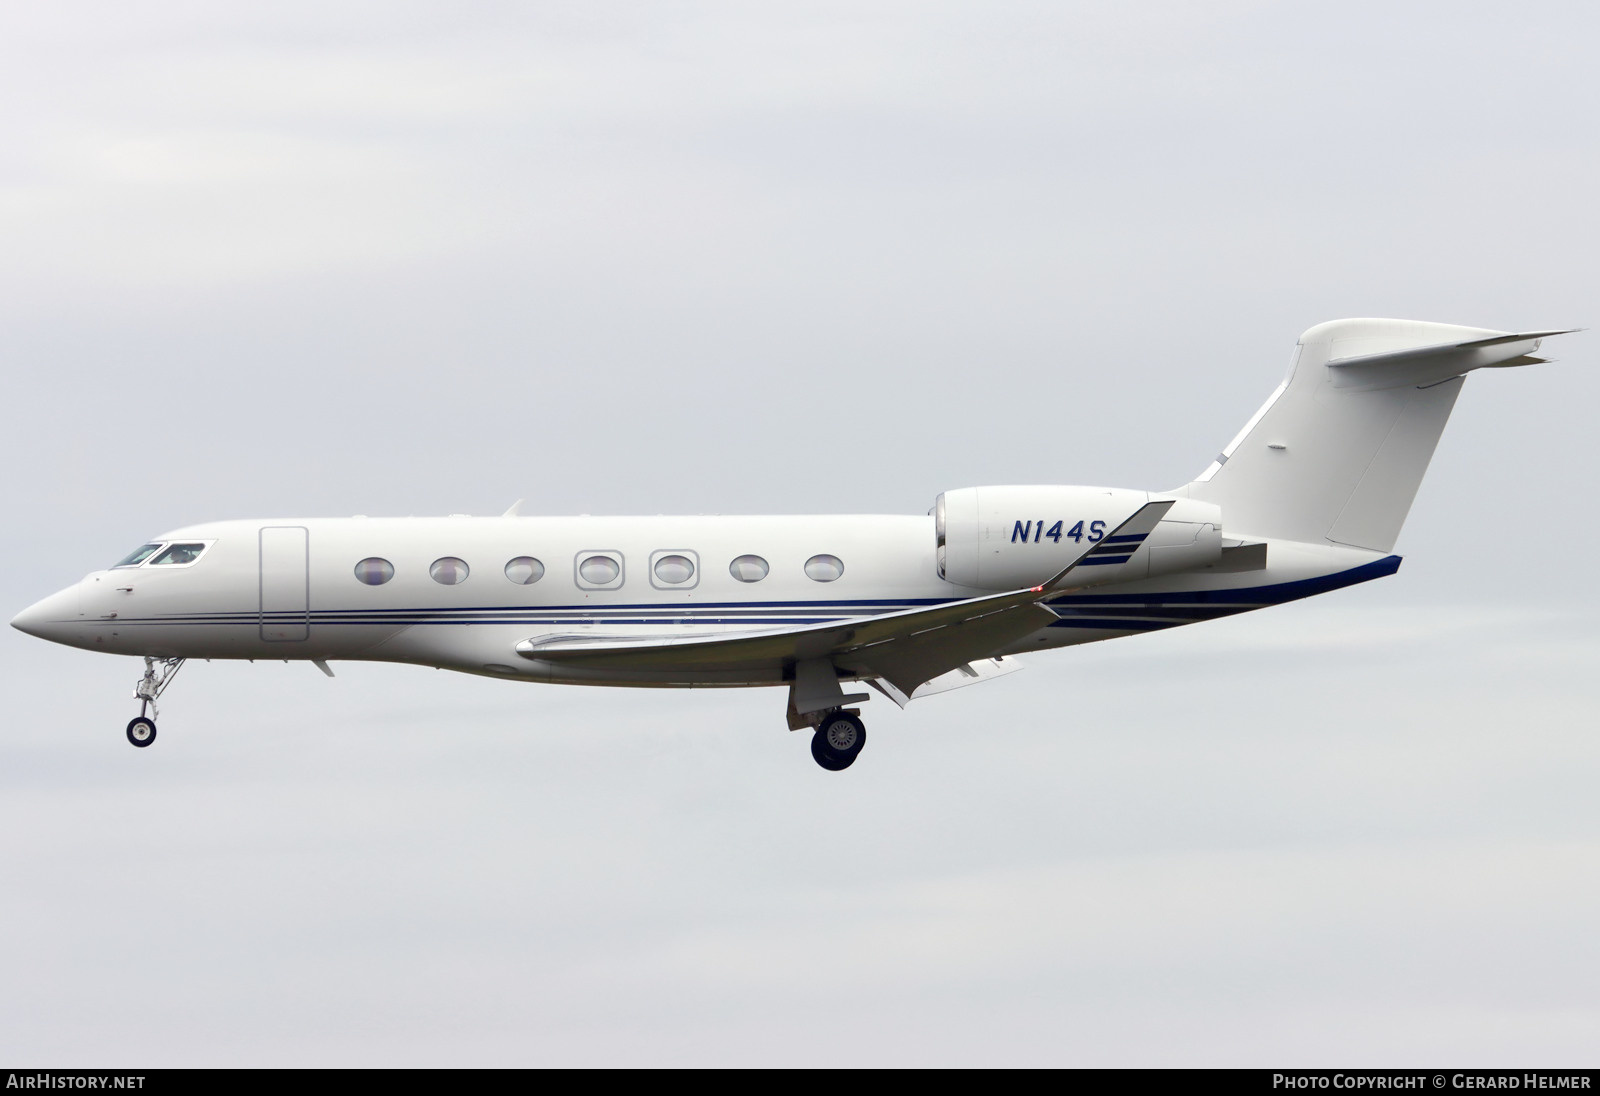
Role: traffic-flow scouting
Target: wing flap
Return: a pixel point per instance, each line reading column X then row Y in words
column 909, row 662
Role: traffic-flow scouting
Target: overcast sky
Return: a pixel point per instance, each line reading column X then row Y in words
column 394, row 258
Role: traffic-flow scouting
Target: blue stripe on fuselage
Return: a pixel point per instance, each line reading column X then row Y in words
column 1079, row 610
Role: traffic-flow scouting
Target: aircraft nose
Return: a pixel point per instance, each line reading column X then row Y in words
column 54, row 618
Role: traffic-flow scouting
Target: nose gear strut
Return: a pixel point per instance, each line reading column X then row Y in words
column 158, row 674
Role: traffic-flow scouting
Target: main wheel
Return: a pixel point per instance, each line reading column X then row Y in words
column 838, row 740
column 826, row 757
column 141, row 732
column 843, row 734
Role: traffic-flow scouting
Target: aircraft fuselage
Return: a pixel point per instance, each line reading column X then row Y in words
column 293, row 589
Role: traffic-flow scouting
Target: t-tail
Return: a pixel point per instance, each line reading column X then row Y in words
column 1335, row 455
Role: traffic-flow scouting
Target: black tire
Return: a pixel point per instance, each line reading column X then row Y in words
column 843, row 734
column 141, row 731
column 826, row 757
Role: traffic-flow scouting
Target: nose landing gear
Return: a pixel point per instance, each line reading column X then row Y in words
column 142, row 729
column 838, row 740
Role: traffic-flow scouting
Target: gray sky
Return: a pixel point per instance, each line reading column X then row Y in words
column 691, row 257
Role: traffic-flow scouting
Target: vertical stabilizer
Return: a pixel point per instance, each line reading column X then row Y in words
column 1337, row 452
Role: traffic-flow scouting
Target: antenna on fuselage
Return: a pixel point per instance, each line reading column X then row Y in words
column 512, row 510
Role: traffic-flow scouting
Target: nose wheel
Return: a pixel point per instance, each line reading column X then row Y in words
column 838, row 740
column 141, row 731
column 158, row 674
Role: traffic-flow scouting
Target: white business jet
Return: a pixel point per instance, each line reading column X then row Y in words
column 1309, row 497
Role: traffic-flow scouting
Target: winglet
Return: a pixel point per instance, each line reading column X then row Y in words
column 1118, row 545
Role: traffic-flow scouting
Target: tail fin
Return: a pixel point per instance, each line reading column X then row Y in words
column 1336, row 453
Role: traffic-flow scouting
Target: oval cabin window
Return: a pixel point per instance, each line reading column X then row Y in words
column 748, row 568
column 524, row 570
column 674, row 570
column 374, row 571
column 599, row 570
column 824, row 568
column 449, row 571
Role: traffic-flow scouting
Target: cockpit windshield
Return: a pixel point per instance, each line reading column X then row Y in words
column 139, row 555
column 179, row 553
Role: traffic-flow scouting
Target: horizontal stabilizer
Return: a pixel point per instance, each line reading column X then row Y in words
column 1420, row 366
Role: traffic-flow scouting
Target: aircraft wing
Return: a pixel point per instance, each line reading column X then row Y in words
column 905, row 648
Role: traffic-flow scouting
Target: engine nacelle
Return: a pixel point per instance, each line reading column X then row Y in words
column 1008, row 538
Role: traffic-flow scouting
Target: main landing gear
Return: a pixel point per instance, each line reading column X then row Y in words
column 838, row 740
column 142, row 728
column 816, row 700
